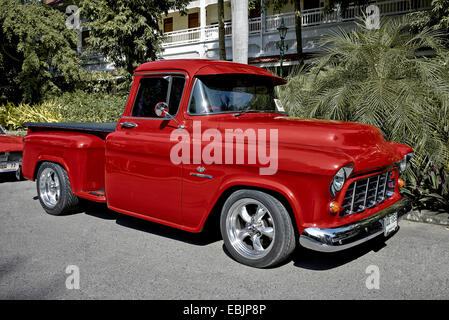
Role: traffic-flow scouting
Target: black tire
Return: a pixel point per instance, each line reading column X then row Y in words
column 19, row 175
column 66, row 202
column 283, row 241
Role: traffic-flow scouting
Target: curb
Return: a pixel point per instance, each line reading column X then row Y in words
column 427, row 216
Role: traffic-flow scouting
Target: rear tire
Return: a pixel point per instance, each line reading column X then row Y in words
column 257, row 229
column 54, row 191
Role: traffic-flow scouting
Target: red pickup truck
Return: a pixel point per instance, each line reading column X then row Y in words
column 201, row 139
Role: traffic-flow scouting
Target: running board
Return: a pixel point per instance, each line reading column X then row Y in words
column 97, row 196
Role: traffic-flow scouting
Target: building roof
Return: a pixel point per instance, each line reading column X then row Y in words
column 199, row 67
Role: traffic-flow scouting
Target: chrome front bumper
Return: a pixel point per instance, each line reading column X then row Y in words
column 350, row 235
column 11, row 166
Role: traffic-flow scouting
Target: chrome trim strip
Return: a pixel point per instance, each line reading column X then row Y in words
column 350, row 235
column 353, row 197
column 377, row 189
column 385, row 185
column 200, row 175
column 366, row 193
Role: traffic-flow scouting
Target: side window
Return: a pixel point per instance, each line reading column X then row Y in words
column 153, row 90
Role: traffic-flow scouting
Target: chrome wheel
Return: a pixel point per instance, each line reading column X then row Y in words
column 49, row 187
column 250, row 228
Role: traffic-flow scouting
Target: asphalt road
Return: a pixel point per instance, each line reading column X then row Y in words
column 120, row 257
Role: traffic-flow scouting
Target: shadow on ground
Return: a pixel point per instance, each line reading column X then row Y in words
column 320, row 261
column 8, row 177
column 210, row 235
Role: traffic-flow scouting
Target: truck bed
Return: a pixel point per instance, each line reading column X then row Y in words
column 91, row 127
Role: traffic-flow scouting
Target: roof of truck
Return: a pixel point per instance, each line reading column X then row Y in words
column 197, row 67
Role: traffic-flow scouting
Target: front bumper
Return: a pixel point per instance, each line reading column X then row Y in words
column 350, row 235
column 11, row 166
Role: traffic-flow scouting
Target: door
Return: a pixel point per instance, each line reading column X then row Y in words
column 193, row 20
column 140, row 177
column 311, row 4
column 168, row 24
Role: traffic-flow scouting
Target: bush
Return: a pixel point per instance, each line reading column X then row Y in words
column 69, row 107
column 378, row 77
column 114, row 82
column 13, row 117
column 80, row 106
column 429, row 188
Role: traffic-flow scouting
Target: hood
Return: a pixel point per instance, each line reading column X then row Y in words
column 10, row 143
column 363, row 144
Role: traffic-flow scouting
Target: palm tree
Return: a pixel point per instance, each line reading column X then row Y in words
column 380, row 77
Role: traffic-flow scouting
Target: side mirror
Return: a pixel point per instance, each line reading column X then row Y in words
column 161, row 109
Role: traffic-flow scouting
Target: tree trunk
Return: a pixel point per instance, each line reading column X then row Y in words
column 298, row 26
column 221, row 30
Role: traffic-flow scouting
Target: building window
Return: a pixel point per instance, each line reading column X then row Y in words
column 84, row 36
column 311, row 4
column 168, row 24
column 193, row 20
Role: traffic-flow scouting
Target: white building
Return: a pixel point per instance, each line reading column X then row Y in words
column 195, row 35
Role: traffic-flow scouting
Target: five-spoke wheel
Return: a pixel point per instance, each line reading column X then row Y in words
column 257, row 228
column 53, row 188
column 250, row 228
column 49, row 186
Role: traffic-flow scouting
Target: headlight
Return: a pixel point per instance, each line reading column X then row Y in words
column 402, row 165
column 340, row 178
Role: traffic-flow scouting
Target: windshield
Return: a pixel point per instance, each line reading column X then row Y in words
column 232, row 93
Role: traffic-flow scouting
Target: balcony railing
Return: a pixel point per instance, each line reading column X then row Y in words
column 312, row 17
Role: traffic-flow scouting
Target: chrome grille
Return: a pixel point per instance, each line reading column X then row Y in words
column 367, row 193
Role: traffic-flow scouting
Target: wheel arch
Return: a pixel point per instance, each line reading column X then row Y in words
column 55, row 160
column 213, row 218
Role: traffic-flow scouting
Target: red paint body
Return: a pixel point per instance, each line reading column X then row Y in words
column 10, row 143
column 133, row 165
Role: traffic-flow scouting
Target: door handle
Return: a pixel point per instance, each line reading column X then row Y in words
column 128, row 125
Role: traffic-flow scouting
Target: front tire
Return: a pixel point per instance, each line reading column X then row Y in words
column 54, row 191
column 257, row 229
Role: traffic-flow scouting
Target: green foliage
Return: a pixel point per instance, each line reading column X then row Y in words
column 13, row 117
column 378, row 77
column 437, row 17
column 80, row 106
column 127, row 32
column 429, row 188
column 114, row 82
column 36, row 55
